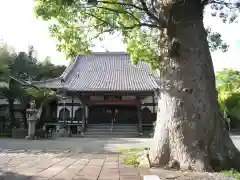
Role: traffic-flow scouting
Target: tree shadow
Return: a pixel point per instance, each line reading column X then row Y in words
column 6, row 175
column 77, row 145
column 91, row 148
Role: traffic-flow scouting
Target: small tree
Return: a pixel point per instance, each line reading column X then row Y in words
column 42, row 97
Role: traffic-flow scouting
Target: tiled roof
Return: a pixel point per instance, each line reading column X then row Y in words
column 106, row 71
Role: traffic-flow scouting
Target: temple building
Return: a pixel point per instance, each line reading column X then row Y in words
column 104, row 92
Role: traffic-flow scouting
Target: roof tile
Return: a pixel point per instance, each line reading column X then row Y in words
column 107, row 71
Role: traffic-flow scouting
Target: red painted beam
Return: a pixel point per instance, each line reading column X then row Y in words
column 112, row 102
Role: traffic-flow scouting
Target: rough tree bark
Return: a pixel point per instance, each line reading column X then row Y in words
column 190, row 129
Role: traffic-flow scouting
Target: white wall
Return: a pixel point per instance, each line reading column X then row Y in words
column 149, row 99
column 75, row 107
column 69, row 100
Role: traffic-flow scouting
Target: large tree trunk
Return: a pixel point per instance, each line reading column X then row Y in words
column 190, row 129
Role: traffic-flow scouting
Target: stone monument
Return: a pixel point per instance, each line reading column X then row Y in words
column 32, row 113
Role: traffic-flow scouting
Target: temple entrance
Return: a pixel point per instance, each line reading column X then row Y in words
column 99, row 115
column 122, row 114
column 126, row 115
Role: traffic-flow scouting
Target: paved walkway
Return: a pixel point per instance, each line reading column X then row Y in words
column 70, row 159
column 65, row 166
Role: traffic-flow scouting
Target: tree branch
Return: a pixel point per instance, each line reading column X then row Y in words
column 158, row 20
column 121, row 3
column 145, row 8
column 229, row 5
column 140, row 23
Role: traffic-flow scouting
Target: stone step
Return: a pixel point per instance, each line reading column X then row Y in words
column 104, row 130
column 114, row 130
column 111, row 133
column 109, row 129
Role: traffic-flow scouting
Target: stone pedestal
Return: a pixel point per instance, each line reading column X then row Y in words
column 63, row 132
column 31, row 128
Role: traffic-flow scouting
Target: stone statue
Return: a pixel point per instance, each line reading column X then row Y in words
column 33, row 116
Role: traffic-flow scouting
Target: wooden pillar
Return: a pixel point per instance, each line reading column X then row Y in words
column 86, row 116
column 83, row 117
column 153, row 101
column 139, row 114
column 72, row 113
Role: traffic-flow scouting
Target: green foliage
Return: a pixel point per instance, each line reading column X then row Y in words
column 232, row 105
column 24, row 66
column 132, row 155
column 228, row 86
column 232, row 173
column 130, row 150
column 47, row 70
column 78, row 24
column 41, row 95
column 131, row 160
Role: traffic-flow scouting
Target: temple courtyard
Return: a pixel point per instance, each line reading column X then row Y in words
column 71, row 158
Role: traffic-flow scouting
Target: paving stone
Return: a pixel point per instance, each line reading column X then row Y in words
column 65, row 159
column 112, row 159
column 128, row 172
column 68, row 173
column 111, row 165
column 143, row 171
column 130, row 178
column 83, row 161
column 38, row 178
column 96, row 162
column 57, row 168
column 41, row 166
column 108, row 174
column 88, row 173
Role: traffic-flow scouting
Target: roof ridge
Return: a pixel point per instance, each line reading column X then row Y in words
column 108, row 53
column 69, row 68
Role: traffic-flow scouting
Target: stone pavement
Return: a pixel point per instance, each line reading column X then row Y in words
column 66, row 166
column 71, row 159
column 68, row 158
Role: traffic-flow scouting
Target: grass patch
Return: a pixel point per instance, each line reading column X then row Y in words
column 131, row 150
column 232, row 173
column 132, row 155
column 131, row 160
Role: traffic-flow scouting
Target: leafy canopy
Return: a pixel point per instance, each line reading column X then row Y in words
column 76, row 24
column 228, row 86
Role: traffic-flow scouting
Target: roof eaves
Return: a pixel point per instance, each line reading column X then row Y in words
column 69, row 68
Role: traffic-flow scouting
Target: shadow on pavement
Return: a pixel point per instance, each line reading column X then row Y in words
column 77, row 145
column 4, row 175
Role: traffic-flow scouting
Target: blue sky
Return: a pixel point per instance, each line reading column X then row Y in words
column 20, row 28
